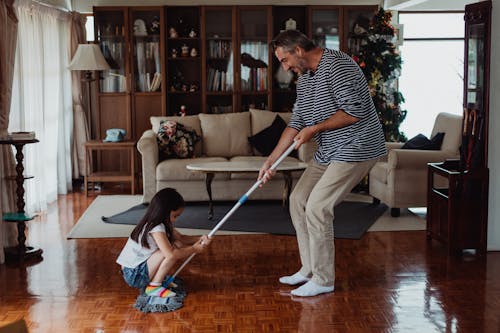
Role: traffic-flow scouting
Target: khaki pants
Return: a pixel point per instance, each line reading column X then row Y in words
column 317, row 192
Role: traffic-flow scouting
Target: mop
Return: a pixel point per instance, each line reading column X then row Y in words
column 147, row 303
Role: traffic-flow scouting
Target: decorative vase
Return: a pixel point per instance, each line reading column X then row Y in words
column 284, row 77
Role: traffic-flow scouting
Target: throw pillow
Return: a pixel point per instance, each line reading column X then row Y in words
column 266, row 140
column 421, row 142
column 176, row 140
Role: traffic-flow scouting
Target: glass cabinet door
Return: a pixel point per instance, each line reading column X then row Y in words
column 325, row 28
column 111, row 35
column 183, row 60
column 219, row 59
column 254, row 58
column 356, row 24
column 475, row 66
column 474, row 155
column 146, row 62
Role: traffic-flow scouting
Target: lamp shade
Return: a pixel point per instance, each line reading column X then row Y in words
column 88, row 57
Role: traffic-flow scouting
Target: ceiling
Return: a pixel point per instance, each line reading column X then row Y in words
column 85, row 6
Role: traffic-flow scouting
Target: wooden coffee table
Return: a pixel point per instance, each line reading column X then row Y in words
column 211, row 168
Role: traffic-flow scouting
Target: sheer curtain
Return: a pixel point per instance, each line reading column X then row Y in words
column 42, row 102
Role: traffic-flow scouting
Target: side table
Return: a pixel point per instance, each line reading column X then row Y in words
column 457, row 212
column 20, row 252
column 92, row 175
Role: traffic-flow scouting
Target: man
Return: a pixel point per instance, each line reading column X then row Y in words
column 335, row 108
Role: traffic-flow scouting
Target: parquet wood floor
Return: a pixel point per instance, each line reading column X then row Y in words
column 386, row 282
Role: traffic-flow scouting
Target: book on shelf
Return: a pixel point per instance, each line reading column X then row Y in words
column 20, row 136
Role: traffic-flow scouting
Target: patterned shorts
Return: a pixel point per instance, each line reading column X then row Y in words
column 137, row 277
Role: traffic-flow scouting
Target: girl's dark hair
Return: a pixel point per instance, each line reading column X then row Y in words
column 163, row 202
column 289, row 39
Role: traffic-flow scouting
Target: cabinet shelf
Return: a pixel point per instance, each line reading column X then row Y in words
column 17, row 217
column 183, row 58
column 148, row 93
column 254, row 92
column 219, row 39
column 220, row 93
column 183, row 39
column 12, row 177
column 184, row 92
column 152, row 36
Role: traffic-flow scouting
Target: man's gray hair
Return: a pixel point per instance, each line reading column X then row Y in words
column 289, row 39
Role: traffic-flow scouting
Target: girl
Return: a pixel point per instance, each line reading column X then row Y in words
column 155, row 246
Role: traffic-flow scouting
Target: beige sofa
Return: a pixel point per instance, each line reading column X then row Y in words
column 224, row 138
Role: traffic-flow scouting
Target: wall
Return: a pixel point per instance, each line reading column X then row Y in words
column 494, row 134
column 86, row 6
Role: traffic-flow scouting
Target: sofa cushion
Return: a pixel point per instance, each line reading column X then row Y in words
column 421, row 142
column 225, row 135
column 261, row 119
column 268, row 138
column 189, row 121
column 175, row 169
column 176, row 140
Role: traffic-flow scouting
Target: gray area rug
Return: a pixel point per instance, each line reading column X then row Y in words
column 352, row 219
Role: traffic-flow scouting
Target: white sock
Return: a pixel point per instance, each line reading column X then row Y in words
column 294, row 279
column 312, row 289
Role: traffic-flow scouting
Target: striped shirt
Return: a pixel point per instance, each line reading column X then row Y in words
column 339, row 84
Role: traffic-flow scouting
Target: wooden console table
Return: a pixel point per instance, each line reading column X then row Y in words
column 20, row 252
column 109, row 176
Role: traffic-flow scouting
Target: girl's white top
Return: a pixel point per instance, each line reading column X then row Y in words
column 134, row 253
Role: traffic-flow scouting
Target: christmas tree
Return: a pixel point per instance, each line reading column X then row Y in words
column 381, row 64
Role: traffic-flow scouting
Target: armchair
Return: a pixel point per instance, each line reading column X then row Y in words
column 400, row 179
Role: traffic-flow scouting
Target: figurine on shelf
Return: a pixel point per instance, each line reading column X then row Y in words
column 193, row 52
column 182, row 112
column 108, row 30
column 155, row 25
column 172, row 33
column 193, row 87
column 184, row 87
column 284, row 77
column 290, row 24
column 184, row 50
column 173, row 53
column 140, row 28
column 192, row 33
column 177, row 81
column 181, row 27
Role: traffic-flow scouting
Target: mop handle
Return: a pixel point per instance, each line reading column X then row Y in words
column 240, row 202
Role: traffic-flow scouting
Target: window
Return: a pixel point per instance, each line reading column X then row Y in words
column 431, row 78
column 89, row 27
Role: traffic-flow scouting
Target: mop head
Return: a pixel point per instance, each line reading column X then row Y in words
column 147, row 303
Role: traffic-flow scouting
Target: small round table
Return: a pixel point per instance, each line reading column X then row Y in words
column 211, row 168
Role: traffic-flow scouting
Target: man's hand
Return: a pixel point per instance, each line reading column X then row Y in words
column 305, row 135
column 265, row 172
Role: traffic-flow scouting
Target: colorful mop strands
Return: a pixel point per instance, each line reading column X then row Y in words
column 240, row 202
column 146, row 303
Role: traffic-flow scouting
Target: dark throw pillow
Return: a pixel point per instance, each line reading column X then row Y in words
column 266, row 140
column 421, row 142
column 176, row 140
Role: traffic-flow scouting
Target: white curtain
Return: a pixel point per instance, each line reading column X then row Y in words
column 42, row 102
